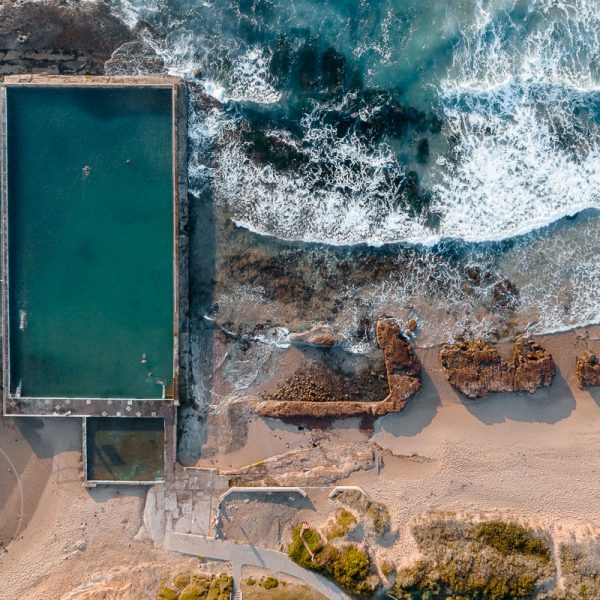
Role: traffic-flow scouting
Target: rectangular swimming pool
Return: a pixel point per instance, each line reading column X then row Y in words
column 90, row 215
column 120, row 449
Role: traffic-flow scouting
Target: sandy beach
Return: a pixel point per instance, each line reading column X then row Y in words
column 509, row 454
column 530, row 457
column 71, row 542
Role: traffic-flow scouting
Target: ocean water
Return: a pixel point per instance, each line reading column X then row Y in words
column 453, row 137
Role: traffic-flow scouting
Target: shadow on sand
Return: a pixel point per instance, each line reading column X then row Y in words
column 50, row 436
column 418, row 414
column 546, row 405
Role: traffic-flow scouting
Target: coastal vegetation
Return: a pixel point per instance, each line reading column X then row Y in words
column 492, row 560
column 580, row 562
column 377, row 512
column 342, row 524
column 260, row 589
column 346, row 564
column 186, row 586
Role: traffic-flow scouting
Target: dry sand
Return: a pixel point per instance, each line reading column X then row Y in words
column 69, row 538
column 531, row 457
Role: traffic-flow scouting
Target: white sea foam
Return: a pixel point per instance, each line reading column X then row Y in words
column 518, row 101
column 250, row 80
column 344, row 205
column 523, row 158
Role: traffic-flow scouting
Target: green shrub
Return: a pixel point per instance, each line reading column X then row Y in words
column 343, row 524
column 510, row 538
column 220, row 588
column 250, row 581
column 181, row 580
column 270, row 583
column 192, row 592
column 297, row 549
column 347, row 566
column 166, row 593
column 488, row 561
column 350, row 566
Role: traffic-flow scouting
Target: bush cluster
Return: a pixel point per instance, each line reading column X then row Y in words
column 197, row 587
column 347, row 565
column 580, row 563
column 510, row 538
column 377, row 512
column 343, row 524
column 270, row 583
column 487, row 561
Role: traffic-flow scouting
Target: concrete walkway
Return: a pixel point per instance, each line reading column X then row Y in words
column 242, row 554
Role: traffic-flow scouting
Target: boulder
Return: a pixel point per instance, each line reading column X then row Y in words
column 403, row 371
column 475, row 368
column 505, row 295
column 321, row 336
column 136, row 57
column 587, row 369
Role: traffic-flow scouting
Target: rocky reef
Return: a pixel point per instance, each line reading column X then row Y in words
column 475, row 367
column 403, row 371
column 587, row 369
column 58, row 37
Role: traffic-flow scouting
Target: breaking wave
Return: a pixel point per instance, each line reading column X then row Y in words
column 477, row 122
column 520, row 109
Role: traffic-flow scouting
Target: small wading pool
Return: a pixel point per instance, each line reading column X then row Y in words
column 90, row 201
column 119, row 449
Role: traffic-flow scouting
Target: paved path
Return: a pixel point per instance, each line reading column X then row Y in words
column 243, row 554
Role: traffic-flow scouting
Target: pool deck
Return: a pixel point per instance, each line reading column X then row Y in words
column 40, row 406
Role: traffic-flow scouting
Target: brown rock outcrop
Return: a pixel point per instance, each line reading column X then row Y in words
column 58, row 37
column 404, row 381
column 321, row 336
column 475, row 368
column 587, row 369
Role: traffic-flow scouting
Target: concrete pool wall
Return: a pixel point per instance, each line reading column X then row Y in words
column 22, row 405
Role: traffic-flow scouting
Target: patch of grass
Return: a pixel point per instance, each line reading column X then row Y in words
column 510, row 538
column 387, row 568
column 580, row 570
column 487, row 561
column 342, row 525
column 347, row 565
column 377, row 512
column 221, row 588
column 166, row 593
column 181, row 580
column 270, row 583
column 192, row 592
column 380, row 516
column 197, row 587
column 292, row 591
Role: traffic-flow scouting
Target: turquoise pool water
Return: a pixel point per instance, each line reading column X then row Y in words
column 90, row 241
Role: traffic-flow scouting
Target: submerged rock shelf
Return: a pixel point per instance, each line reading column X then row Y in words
column 403, row 372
